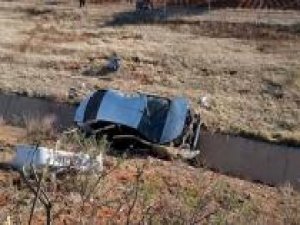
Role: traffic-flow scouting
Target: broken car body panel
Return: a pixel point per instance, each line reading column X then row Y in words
column 175, row 120
column 157, row 119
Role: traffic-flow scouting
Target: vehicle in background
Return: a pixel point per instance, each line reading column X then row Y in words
column 143, row 5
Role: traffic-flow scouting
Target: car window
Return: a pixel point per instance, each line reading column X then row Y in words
column 154, row 118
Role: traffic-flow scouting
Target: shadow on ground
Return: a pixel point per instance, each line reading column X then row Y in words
column 157, row 15
column 97, row 72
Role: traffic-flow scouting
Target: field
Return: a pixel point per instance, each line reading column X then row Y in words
column 140, row 190
column 245, row 61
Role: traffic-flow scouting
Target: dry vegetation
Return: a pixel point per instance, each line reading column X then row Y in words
column 145, row 190
column 40, row 129
column 135, row 189
column 245, row 61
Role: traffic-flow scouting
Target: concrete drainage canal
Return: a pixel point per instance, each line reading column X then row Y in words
column 14, row 108
column 243, row 157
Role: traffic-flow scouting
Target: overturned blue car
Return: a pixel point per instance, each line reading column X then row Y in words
column 139, row 117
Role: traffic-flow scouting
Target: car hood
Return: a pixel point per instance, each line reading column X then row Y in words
column 175, row 121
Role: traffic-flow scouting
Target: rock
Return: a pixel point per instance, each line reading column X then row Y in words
column 204, row 102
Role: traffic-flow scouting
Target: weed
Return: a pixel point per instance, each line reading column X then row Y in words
column 247, row 213
column 290, row 205
column 228, row 198
column 38, row 129
column 190, row 197
column 150, row 189
column 2, row 121
column 218, row 219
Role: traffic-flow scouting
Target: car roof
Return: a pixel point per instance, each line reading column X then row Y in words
column 160, row 123
column 111, row 106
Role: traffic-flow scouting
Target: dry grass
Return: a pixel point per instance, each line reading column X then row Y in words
column 142, row 191
column 40, row 128
column 245, row 61
column 290, row 205
column 147, row 191
column 2, row 121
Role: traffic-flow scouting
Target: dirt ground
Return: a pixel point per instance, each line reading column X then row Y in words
column 245, row 61
column 140, row 189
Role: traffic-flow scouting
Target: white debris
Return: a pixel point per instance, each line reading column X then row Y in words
column 204, row 102
column 27, row 155
column 83, row 85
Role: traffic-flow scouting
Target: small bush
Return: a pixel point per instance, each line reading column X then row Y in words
column 38, row 129
column 290, row 205
column 2, row 121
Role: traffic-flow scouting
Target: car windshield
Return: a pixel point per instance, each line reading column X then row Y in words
column 154, row 118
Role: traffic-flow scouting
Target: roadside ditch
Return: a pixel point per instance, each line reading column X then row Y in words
column 246, row 158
